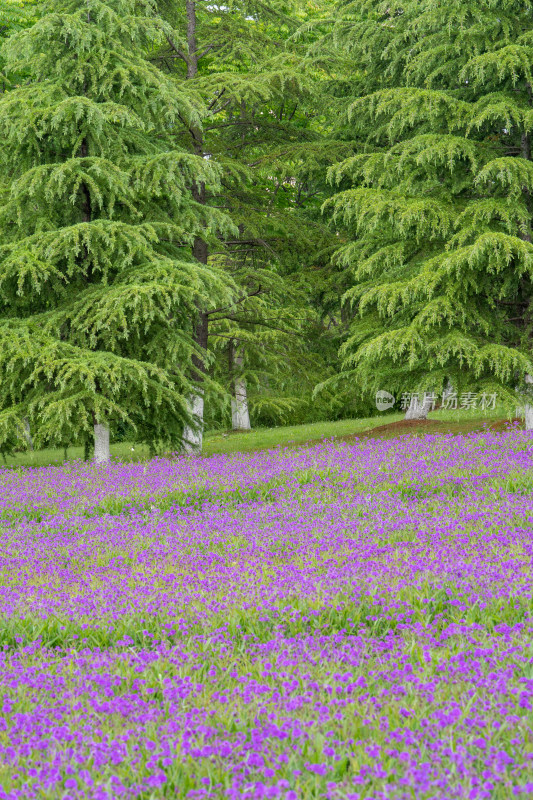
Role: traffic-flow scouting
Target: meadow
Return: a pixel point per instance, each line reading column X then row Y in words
column 346, row 620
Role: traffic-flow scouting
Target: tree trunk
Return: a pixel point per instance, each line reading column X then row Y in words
column 528, row 408
column 193, row 436
column 192, row 50
column 447, row 391
column 240, row 417
column 418, row 410
column 101, row 444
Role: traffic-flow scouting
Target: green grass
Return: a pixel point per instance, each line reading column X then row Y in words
column 123, row 451
column 266, row 438
column 460, row 421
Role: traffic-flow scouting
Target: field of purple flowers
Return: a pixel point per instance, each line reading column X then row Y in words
column 341, row 621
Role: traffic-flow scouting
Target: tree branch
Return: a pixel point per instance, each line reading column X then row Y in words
column 240, row 300
column 179, row 53
column 216, row 99
column 261, row 322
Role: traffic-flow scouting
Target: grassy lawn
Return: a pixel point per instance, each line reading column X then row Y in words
column 459, row 421
column 265, row 438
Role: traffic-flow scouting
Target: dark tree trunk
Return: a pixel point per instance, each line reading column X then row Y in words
column 192, row 435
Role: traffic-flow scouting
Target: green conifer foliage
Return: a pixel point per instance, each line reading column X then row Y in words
column 15, row 15
column 98, row 289
column 263, row 127
column 437, row 204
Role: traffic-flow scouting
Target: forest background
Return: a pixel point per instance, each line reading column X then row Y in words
column 259, row 213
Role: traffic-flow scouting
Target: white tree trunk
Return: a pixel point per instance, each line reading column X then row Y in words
column 528, row 408
column 447, row 391
column 193, row 436
column 101, row 444
column 418, row 410
column 240, row 417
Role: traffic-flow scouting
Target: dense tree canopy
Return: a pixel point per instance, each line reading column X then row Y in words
column 98, row 287
column 263, row 127
column 436, row 205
